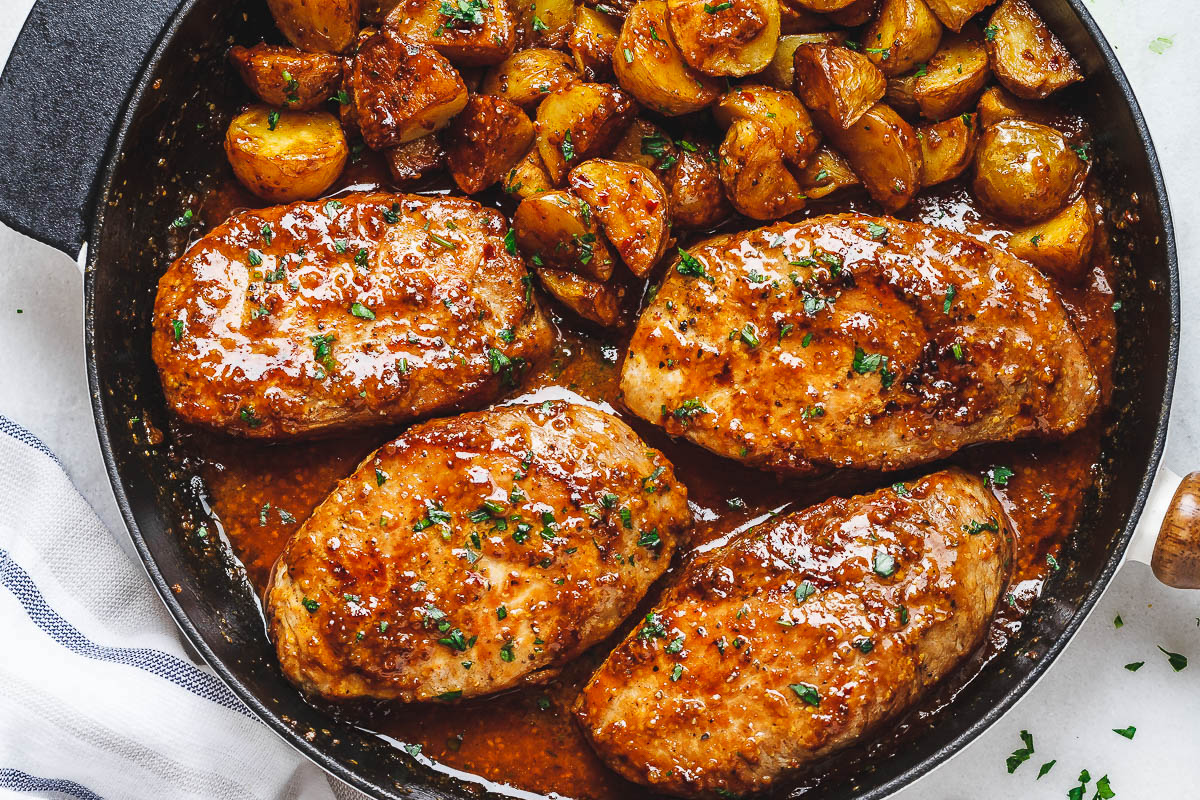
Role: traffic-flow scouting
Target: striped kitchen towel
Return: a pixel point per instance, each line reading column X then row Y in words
column 98, row 698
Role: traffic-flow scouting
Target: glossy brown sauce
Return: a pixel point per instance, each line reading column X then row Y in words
column 526, row 738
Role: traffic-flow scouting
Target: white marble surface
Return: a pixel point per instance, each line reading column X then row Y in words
column 1071, row 713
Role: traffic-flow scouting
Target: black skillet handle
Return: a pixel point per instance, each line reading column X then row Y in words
column 62, row 93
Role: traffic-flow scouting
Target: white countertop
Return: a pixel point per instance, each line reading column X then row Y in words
column 1087, row 693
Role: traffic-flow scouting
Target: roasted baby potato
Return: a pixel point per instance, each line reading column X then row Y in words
column 997, row 104
column 697, row 196
column 284, row 156
column 778, row 110
column 824, row 6
column 859, row 12
column 416, row 160
column 466, row 32
column 1062, row 245
column 287, row 77
column 954, row 14
column 837, row 82
column 781, row 72
column 318, row 26
column 374, row 12
column 486, row 140
column 647, row 144
column 734, row 38
column 795, row 18
column 651, row 68
column 579, row 122
column 544, row 23
column 756, row 180
column 946, row 148
column 528, row 177
column 954, row 77
column 632, row 206
column 593, row 41
column 592, row 300
column 825, row 173
column 527, row 76
column 884, row 152
column 1027, row 58
column 901, row 93
column 559, row 230
column 403, row 90
column 1024, row 171
column 904, row 34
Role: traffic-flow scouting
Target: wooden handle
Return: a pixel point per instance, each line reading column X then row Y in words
column 1176, row 560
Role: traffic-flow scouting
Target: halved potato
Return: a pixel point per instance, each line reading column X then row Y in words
column 884, row 152
column 318, row 26
column 778, row 110
column 487, row 139
column 557, row 229
column 648, row 64
column 466, row 32
column 904, row 34
column 593, row 41
column 901, row 93
column 374, row 12
column 416, row 160
column 954, row 14
column 859, row 12
column 837, row 82
column 543, row 23
column 781, row 72
column 824, row 6
column 1024, row 171
column 795, row 18
column 756, row 180
column 647, row 144
column 825, row 173
column 697, row 197
column 632, row 206
column 592, row 300
column 997, row 104
column 578, row 122
column 1027, row 58
column 528, row 177
column 731, row 37
column 1062, row 245
column 954, row 77
column 527, row 76
column 287, row 77
column 403, row 90
column 946, row 148
column 283, row 156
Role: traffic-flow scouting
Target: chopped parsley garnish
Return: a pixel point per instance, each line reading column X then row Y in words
column 255, row 258
column 884, row 564
column 690, row 266
column 510, row 242
column 310, row 605
column 806, row 692
column 676, row 673
column 250, row 417
column 392, row 215
column 461, row 13
column 951, row 292
column 1178, row 662
column 865, row 645
column 1049, row 765
column 865, row 363
column 999, row 476
column 1135, row 666
column 878, row 232
column 380, row 477
column 177, row 327
column 321, row 352
column 272, row 119
column 1126, row 732
column 749, row 335
column 675, row 645
column 1021, row 754
column 567, row 147
column 506, row 652
column 989, row 33
column 183, row 221
column 900, row 489
column 658, row 146
column 361, row 311
column 975, row 526
column 653, row 628
column 804, row 591
column 501, row 612
column 649, row 539
column 457, row 642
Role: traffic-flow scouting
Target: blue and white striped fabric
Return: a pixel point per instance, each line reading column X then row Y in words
column 98, row 698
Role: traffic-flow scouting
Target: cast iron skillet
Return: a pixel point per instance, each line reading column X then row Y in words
column 85, row 156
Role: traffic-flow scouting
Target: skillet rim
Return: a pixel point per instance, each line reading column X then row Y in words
column 335, row 767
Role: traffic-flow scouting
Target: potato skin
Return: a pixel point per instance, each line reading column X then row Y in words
column 954, row 14
column 416, row 160
column 486, row 140
column 734, row 38
column 946, row 148
column 954, row 76
column 825, row 173
column 593, row 300
column 543, row 23
column 697, row 197
column 904, row 34
column 464, row 44
column 756, row 180
column 593, row 41
column 859, row 12
column 403, row 90
column 781, row 72
column 1027, row 58
column 778, row 110
column 1062, row 245
column 884, row 152
column 651, row 68
column 287, row 77
column 527, row 76
column 837, row 81
column 578, row 122
column 296, row 158
column 1024, row 171
column 632, row 206
column 647, row 144
column 528, row 177
column 318, row 26
column 558, row 230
